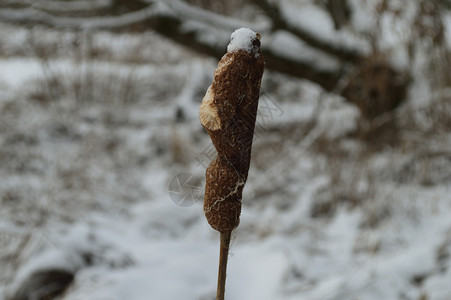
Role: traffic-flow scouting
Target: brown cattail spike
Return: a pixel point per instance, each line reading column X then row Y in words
column 228, row 114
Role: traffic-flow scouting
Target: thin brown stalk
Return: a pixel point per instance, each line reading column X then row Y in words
column 223, row 256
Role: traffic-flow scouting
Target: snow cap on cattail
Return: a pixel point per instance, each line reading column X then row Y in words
column 244, row 39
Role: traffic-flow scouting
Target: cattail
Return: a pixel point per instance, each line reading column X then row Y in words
column 228, row 114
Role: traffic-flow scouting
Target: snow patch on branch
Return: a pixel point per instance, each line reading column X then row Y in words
column 287, row 45
column 188, row 12
column 312, row 19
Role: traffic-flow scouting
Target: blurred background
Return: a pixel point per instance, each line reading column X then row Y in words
column 102, row 156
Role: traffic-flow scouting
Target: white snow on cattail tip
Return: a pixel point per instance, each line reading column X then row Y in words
column 241, row 39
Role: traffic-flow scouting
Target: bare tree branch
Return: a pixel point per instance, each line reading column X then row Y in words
column 279, row 22
column 32, row 16
column 370, row 82
column 326, row 79
column 169, row 21
column 70, row 6
column 46, row 12
column 188, row 12
column 339, row 12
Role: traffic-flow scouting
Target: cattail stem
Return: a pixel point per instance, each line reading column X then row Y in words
column 223, row 256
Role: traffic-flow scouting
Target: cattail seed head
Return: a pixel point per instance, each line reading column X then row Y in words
column 228, row 114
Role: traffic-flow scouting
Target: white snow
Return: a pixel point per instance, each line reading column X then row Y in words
column 241, row 39
column 16, row 71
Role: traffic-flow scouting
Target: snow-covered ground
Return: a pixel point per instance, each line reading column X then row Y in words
column 90, row 144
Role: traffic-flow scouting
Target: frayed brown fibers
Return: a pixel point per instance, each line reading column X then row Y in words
column 228, row 114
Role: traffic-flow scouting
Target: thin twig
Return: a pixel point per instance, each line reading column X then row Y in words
column 223, row 255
